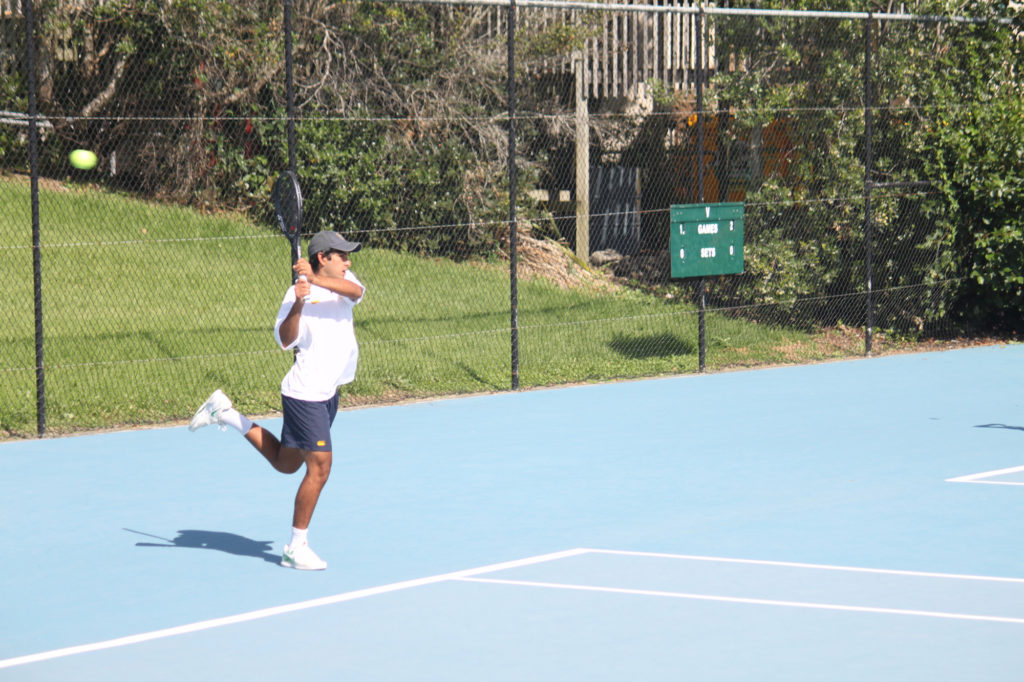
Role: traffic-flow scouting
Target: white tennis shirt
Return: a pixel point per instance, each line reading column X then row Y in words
column 326, row 344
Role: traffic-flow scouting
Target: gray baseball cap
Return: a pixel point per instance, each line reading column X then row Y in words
column 329, row 240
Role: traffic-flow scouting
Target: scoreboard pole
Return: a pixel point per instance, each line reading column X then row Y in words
column 705, row 240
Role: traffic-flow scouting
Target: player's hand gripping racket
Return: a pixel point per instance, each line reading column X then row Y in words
column 288, row 206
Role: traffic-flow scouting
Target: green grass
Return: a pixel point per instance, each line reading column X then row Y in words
column 147, row 308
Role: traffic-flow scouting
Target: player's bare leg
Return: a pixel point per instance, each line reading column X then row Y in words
column 318, row 469
column 219, row 410
column 285, row 460
column 297, row 553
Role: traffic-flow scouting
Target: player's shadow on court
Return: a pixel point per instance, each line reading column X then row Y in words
column 216, row 540
column 999, row 426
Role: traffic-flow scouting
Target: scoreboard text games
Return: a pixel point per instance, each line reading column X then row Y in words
column 706, row 239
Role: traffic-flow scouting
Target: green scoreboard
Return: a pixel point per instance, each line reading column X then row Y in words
column 706, row 239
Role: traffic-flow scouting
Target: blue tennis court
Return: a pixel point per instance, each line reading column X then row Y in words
column 857, row 520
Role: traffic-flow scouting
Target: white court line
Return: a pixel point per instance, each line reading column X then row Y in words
column 467, row 575
column 277, row 610
column 976, row 478
column 790, row 564
column 747, row 600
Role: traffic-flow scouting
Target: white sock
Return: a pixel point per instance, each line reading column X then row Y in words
column 235, row 419
column 299, row 537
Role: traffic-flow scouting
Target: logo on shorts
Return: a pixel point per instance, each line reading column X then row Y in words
column 321, row 443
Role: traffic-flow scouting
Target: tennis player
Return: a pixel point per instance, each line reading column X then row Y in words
column 321, row 331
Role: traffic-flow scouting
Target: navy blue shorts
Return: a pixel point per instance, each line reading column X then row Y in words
column 307, row 425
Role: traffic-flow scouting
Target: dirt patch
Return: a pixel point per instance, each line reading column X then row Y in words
column 840, row 340
column 845, row 341
column 48, row 184
column 646, row 268
column 553, row 261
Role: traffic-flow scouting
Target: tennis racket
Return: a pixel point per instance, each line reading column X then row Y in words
column 288, row 206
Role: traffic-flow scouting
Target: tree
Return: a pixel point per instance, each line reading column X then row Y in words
column 973, row 150
column 400, row 109
column 153, row 86
column 945, row 111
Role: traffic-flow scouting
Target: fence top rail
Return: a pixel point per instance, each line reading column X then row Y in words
column 712, row 10
column 13, row 7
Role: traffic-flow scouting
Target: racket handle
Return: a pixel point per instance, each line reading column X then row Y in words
column 305, row 299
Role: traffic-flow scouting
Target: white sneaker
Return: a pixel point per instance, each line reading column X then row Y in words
column 209, row 413
column 302, row 557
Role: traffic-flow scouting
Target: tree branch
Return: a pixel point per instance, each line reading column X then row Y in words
column 107, row 94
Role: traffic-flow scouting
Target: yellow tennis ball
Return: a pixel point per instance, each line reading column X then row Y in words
column 82, row 159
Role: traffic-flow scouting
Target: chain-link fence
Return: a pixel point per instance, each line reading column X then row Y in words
column 138, row 286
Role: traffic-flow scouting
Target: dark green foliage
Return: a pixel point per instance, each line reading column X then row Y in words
column 982, row 166
column 363, row 182
column 946, row 112
column 12, row 98
column 400, row 112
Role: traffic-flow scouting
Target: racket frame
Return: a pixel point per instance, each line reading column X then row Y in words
column 287, row 198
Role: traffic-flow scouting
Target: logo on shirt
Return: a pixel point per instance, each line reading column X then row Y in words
column 321, row 443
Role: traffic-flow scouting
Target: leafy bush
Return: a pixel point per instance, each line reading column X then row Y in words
column 982, row 171
column 361, row 181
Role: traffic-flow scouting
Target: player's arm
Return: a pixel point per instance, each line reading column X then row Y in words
column 338, row 285
column 288, row 330
column 288, row 325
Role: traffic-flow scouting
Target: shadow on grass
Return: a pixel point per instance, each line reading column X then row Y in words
column 480, row 379
column 640, row 347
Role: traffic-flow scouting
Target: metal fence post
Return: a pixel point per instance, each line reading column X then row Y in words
column 702, row 342
column 289, row 84
column 37, row 261
column 513, row 238
column 868, row 162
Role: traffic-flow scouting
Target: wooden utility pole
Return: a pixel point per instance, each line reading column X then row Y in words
column 582, row 162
